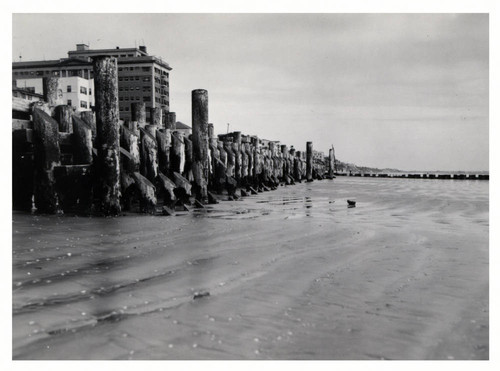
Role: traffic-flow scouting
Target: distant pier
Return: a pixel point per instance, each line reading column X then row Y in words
column 429, row 175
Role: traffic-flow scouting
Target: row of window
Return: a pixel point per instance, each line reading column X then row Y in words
column 161, row 72
column 161, row 101
column 161, row 91
column 83, row 90
column 143, row 69
column 131, row 88
column 144, row 99
column 83, row 104
column 86, row 74
column 136, row 78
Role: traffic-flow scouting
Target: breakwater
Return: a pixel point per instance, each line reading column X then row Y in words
column 95, row 163
column 430, row 175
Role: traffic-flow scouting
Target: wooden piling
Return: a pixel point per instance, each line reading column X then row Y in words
column 62, row 114
column 170, row 120
column 199, row 101
column 46, row 156
column 188, row 163
column 309, row 161
column 237, row 155
column 129, row 140
column 163, row 138
column 89, row 118
column 82, row 142
column 177, row 153
column 138, row 113
column 331, row 163
column 156, row 116
column 149, row 153
column 108, row 136
column 52, row 92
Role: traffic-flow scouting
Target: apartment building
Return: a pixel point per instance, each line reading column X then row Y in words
column 141, row 77
column 77, row 92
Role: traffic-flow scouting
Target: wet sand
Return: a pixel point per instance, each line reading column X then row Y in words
column 292, row 274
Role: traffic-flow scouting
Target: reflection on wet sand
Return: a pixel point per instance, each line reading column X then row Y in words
column 292, row 274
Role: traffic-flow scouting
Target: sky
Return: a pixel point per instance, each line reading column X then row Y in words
column 407, row 91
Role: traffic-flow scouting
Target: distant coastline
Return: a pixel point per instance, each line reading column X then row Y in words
column 345, row 167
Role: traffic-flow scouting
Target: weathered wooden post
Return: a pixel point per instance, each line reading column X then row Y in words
column 237, row 155
column 187, row 172
column 228, row 147
column 82, row 142
column 331, row 163
column 138, row 111
column 63, row 114
column 129, row 140
column 244, row 159
column 199, row 99
column 163, row 137
column 89, row 118
column 177, row 153
column 170, row 121
column 256, row 162
column 52, row 92
column 108, row 135
column 298, row 167
column 309, row 161
column 156, row 116
column 46, row 156
column 149, row 153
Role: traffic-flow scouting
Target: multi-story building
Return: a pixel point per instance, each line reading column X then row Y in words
column 76, row 91
column 141, row 77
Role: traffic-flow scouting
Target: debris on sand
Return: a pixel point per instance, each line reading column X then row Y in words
column 200, row 294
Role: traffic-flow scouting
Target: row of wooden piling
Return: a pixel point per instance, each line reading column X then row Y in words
column 420, row 176
column 95, row 164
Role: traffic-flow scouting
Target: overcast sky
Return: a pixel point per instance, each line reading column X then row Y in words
column 403, row 91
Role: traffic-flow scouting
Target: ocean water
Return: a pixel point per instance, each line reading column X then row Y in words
column 287, row 274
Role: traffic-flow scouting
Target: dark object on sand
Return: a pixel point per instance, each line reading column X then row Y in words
column 200, row 294
column 351, row 203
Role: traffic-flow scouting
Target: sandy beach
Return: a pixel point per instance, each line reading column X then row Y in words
column 292, row 274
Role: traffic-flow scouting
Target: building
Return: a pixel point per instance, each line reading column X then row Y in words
column 141, row 77
column 183, row 129
column 22, row 99
column 77, row 91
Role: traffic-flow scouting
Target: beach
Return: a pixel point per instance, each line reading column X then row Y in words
column 287, row 274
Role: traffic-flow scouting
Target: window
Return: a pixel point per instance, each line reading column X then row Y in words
column 146, row 79
column 119, row 79
column 39, row 73
column 120, row 88
column 137, row 87
column 68, row 89
column 119, row 69
column 146, row 99
column 90, row 91
column 63, row 73
column 83, row 90
column 69, row 102
column 121, row 98
column 83, row 104
column 146, row 69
